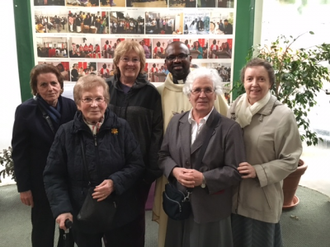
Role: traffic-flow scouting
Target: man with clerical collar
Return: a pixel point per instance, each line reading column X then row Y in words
column 178, row 61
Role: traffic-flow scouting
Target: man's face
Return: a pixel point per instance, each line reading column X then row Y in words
column 178, row 60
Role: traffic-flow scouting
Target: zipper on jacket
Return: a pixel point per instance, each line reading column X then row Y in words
column 95, row 140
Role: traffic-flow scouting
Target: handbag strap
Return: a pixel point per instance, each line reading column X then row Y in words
column 45, row 115
column 84, row 159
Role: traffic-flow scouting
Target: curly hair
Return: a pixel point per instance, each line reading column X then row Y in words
column 212, row 74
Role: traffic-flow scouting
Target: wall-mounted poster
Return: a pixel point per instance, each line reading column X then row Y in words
column 81, row 36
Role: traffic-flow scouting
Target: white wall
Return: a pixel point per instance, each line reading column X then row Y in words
column 10, row 89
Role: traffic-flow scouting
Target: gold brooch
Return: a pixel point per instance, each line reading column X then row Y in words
column 114, row 131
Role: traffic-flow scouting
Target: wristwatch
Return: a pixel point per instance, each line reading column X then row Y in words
column 203, row 185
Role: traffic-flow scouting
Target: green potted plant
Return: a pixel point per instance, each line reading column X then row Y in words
column 7, row 164
column 299, row 76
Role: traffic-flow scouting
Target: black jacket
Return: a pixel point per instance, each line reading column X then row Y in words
column 142, row 109
column 31, row 141
column 113, row 153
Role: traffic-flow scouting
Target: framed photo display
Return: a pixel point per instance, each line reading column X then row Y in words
column 80, row 36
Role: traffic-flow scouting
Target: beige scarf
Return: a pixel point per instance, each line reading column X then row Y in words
column 245, row 111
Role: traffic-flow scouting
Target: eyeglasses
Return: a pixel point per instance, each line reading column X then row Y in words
column 90, row 101
column 198, row 91
column 179, row 57
column 133, row 60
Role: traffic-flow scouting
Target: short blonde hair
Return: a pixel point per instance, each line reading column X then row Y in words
column 127, row 46
column 88, row 82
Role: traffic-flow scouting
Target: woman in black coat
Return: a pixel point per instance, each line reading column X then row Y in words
column 114, row 162
column 136, row 100
column 36, row 122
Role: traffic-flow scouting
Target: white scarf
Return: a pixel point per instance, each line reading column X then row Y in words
column 245, row 111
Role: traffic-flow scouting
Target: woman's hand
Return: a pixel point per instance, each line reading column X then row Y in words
column 27, row 198
column 103, row 190
column 60, row 220
column 189, row 178
column 246, row 170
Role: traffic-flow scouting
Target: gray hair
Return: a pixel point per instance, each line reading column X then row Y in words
column 87, row 83
column 212, row 74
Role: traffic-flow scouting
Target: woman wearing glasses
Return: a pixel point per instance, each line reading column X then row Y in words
column 114, row 164
column 210, row 175
column 135, row 99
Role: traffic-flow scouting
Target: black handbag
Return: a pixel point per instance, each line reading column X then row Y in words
column 94, row 216
column 176, row 203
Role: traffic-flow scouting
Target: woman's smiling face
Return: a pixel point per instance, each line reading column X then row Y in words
column 256, row 83
column 129, row 65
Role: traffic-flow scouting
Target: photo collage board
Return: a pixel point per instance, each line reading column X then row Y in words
column 82, row 35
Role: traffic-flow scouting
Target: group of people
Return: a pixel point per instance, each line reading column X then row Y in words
column 109, row 48
column 44, row 24
column 134, row 133
column 85, row 22
column 85, row 50
column 83, row 3
column 77, row 72
column 182, row 3
column 224, row 72
column 48, row 2
column 220, row 51
column 127, row 25
column 197, row 26
column 54, row 51
column 160, row 25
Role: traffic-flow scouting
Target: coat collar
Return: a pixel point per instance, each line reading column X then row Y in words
column 185, row 133
column 170, row 85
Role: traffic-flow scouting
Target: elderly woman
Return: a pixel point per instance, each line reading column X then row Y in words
column 212, row 179
column 114, row 165
column 135, row 99
column 36, row 122
column 273, row 148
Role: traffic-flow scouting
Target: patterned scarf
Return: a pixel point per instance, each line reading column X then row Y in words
column 53, row 112
column 95, row 127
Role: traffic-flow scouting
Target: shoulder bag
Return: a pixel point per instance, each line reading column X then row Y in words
column 94, row 216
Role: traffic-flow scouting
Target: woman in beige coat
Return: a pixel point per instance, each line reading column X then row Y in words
column 273, row 148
